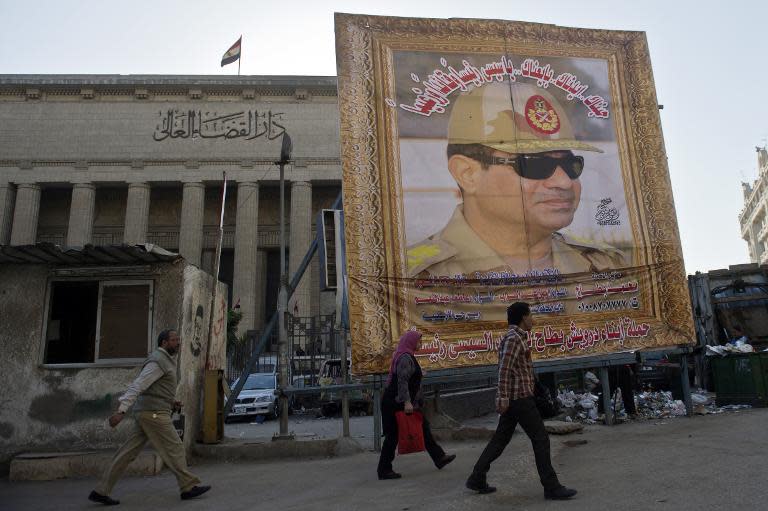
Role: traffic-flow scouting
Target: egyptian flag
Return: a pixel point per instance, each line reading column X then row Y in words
column 232, row 54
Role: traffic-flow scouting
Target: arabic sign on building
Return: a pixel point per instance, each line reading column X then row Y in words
column 248, row 124
column 490, row 162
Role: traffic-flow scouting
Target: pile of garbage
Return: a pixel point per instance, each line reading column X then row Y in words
column 657, row 405
column 649, row 405
column 731, row 347
column 704, row 403
column 580, row 407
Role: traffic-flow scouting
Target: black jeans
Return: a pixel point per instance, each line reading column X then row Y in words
column 389, row 426
column 525, row 412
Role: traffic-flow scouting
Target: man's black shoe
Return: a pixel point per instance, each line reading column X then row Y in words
column 479, row 486
column 102, row 499
column 444, row 461
column 389, row 475
column 195, row 491
column 561, row 493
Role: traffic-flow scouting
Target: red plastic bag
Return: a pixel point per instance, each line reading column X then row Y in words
column 410, row 432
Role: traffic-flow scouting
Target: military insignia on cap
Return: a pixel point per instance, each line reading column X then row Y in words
column 541, row 116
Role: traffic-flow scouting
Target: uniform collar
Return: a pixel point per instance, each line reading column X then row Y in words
column 565, row 256
column 468, row 244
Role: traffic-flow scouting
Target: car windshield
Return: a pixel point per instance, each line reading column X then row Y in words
column 260, row 381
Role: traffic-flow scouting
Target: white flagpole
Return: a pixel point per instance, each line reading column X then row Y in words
column 216, row 267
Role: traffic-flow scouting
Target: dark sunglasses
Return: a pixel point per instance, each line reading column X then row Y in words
column 534, row 166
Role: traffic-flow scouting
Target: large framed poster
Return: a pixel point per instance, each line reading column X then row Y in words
column 488, row 162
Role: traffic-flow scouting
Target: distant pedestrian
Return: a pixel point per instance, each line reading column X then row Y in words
column 403, row 393
column 515, row 403
column 623, row 377
column 154, row 395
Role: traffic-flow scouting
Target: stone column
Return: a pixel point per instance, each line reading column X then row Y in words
column 261, row 290
column 7, row 199
column 25, row 214
column 80, row 227
column 301, row 239
column 246, row 253
column 191, row 231
column 136, row 214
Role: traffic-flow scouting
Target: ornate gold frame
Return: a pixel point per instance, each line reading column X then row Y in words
column 364, row 46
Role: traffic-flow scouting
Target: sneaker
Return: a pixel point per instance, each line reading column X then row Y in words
column 447, row 458
column 479, row 485
column 389, row 475
column 102, row 499
column 194, row 492
column 560, row 493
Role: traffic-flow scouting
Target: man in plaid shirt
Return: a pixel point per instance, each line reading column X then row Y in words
column 515, row 403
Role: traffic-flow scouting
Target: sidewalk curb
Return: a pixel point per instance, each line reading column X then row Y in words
column 270, row 451
column 64, row 465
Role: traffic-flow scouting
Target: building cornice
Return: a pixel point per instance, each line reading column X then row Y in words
column 201, row 80
column 208, row 162
column 148, row 87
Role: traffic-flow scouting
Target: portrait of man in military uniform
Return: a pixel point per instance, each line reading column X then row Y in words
column 515, row 157
column 487, row 162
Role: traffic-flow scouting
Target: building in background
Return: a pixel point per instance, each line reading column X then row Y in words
column 754, row 216
column 112, row 159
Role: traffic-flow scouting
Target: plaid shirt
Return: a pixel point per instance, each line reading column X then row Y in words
column 515, row 367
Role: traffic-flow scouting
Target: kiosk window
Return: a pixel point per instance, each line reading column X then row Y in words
column 92, row 321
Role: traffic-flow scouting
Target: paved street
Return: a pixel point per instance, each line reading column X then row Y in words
column 710, row 462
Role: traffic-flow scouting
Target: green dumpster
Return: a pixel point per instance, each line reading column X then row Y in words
column 741, row 379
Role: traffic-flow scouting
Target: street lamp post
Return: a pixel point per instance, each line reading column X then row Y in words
column 282, row 297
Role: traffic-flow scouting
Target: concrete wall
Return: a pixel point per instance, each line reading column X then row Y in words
column 65, row 409
column 196, row 286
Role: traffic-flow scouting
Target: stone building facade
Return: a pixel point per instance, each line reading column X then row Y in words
column 754, row 217
column 110, row 159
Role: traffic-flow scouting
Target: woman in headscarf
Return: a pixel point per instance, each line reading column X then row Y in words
column 403, row 393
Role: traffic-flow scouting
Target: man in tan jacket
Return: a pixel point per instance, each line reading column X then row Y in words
column 153, row 397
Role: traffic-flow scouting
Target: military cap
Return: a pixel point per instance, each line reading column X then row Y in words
column 513, row 117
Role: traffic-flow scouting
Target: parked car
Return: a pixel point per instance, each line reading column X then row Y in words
column 257, row 397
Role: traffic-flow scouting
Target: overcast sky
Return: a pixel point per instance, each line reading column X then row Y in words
column 710, row 63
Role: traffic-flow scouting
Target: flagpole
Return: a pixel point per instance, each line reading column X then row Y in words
column 238, row 61
column 216, row 269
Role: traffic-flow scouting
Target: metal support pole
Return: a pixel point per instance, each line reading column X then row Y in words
column 377, row 416
column 686, row 386
column 607, row 407
column 282, row 316
column 345, row 379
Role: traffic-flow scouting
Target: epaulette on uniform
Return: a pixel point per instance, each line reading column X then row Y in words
column 586, row 243
column 426, row 253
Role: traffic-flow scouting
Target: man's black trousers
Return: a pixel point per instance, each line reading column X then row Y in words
column 524, row 412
